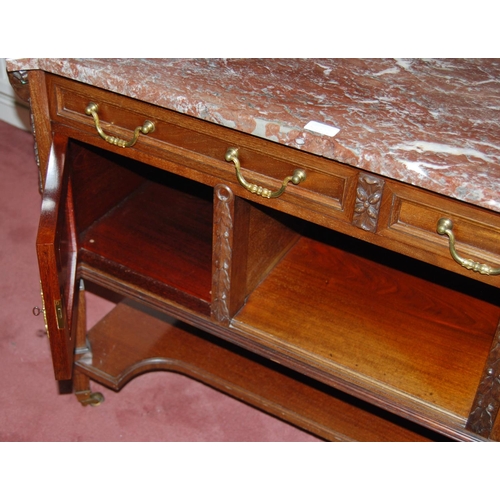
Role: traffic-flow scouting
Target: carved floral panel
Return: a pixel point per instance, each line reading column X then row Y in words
column 368, row 197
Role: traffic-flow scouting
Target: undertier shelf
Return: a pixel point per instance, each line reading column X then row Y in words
column 134, row 339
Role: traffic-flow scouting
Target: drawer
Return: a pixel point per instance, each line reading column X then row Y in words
column 327, row 189
column 412, row 222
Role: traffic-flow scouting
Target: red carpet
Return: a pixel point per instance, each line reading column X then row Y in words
column 158, row 406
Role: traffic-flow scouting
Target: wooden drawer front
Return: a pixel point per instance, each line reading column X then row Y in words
column 330, row 193
column 202, row 146
column 413, row 219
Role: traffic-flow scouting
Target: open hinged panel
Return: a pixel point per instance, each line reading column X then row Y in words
column 383, row 327
column 140, row 231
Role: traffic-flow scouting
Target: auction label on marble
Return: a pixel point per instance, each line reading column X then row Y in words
column 322, row 128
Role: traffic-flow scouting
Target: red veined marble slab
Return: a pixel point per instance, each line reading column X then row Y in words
column 427, row 122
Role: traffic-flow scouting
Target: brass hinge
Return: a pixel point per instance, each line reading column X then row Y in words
column 59, row 314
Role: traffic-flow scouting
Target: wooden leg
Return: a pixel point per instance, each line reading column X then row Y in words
column 81, row 385
column 81, row 382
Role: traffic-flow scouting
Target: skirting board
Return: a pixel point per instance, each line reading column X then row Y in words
column 11, row 111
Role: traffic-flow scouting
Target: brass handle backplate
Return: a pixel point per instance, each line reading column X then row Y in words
column 147, row 127
column 445, row 227
column 298, row 176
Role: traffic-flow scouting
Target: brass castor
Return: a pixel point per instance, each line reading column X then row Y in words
column 96, row 399
column 90, row 398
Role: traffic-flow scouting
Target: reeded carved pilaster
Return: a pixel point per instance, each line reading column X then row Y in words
column 368, row 197
column 19, row 81
column 487, row 402
column 223, row 233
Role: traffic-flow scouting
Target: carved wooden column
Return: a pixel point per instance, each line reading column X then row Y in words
column 230, row 251
column 27, row 84
column 487, row 402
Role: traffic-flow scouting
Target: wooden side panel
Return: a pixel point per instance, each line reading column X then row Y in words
column 102, row 180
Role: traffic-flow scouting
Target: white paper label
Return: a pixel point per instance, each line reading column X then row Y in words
column 322, row 128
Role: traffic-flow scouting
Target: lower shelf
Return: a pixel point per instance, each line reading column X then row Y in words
column 133, row 339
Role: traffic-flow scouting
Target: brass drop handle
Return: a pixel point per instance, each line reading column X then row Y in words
column 147, row 127
column 445, row 227
column 298, row 176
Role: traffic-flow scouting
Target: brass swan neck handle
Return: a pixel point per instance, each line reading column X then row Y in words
column 148, row 126
column 298, row 176
column 445, row 227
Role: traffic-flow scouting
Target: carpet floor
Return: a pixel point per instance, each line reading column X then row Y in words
column 157, row 406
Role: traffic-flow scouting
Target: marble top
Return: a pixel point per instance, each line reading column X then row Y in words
column 427, row 122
